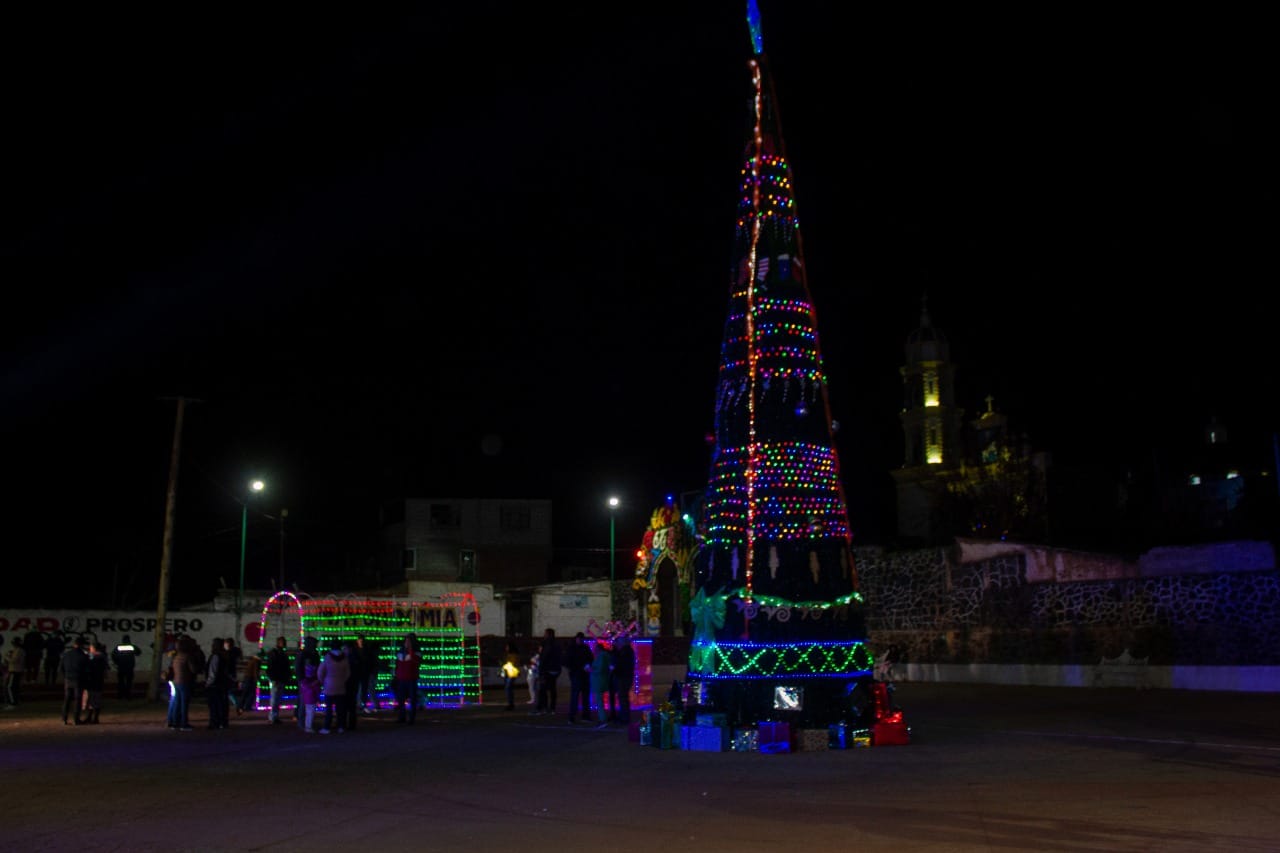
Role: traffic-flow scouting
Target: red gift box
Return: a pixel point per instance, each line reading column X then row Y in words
column 890, row 733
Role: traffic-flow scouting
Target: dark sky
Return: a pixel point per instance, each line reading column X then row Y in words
column 484, row 251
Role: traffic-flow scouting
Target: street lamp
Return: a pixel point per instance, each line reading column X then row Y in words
column 613, row 505
column 255, row 486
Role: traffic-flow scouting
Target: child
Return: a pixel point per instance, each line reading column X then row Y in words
column 309, row 696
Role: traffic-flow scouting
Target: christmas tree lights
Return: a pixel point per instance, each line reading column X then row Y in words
column 776, row 586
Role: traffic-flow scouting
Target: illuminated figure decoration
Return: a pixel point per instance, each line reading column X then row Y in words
column 775, row 610
column 446, row 628
column 664, row 569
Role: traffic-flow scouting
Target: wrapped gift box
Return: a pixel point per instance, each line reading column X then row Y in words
column 646, row 736
column 894, row 733
column 746, row 740
column 704, row 738
column 663, row 733
column 838, row 736
column 774, row 733
column 775, row 747
column 811, row 740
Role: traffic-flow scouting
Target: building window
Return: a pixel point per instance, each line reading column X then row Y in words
column 409, row 559
column 933, row 442
column 931, row 397
column 445, row 517
column 466, row 565
column 513, row 517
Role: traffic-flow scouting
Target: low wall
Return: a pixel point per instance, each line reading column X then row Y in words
column 1245, row 679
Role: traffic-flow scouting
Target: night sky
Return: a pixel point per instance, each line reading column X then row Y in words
column 484, row 252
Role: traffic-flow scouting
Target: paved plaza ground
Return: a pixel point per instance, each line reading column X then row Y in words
column 990, row 768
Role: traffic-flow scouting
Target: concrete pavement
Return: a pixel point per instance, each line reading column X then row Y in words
column 990, row 768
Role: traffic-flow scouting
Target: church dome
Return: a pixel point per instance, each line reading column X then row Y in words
column 927, row 343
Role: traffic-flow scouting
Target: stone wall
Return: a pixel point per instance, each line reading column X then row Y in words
column 1003, row 603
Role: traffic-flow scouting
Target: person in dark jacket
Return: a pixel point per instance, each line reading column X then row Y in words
column 621, row 682
column 95, row 680
column 548, row 672
column 54, row 646
column 33, row 642
column 73, row 664
column 408, row 668
column 578, row 661
column 279, row 666
column 355, row 677
column 124, row 656
column 217, row 684
column 368, row 693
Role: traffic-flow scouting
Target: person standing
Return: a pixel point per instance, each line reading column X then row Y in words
column 548, row 672
column 182, row 674
column 531, row 678
column 125, row 657
column 368, row 688
column 308, row 655
column 15, row 660
column 309, row 688
column 54, row 646
column 355, row 677
column 234, row 659
column 33, row 643
column 334, row 672
column 578, row 661
column 278, row 668
column 408, row 665
column 72, row 666
column 621, row 683
column 95, row 681
column 511, row 671
column 246, row 699
column 217, row 684
column 601, row 672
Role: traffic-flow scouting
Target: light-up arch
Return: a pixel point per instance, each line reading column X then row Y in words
column 446, row 628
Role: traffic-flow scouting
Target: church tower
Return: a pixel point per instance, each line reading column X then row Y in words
column 931, row 428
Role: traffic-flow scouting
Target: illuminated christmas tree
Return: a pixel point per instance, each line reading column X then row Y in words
column 778, row 627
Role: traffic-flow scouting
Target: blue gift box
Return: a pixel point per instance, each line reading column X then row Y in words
column 746, row 740
column 704, row 738
column 771, row 732
column 838, row 736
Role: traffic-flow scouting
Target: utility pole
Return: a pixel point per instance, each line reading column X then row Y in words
column 284, row 513
column 166, row 550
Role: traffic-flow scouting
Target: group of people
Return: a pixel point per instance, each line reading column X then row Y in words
column 83, row 666
column 601, row 673
column 21, row 660
column 342, row 680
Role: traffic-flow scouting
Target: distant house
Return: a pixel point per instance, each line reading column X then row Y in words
column 503, row 542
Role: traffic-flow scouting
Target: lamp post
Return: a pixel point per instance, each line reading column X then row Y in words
column 255, row 486
column 613, row 505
